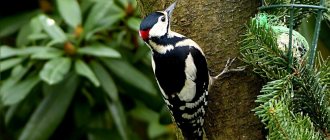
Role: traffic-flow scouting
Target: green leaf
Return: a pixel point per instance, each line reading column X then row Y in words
column 134, row 23
column 9, row 63
column 10, row 84
column 130, row 75
column 117, row 112
column 99, row 10
column 36, row 25
column 49, row 114
column 70, row 11
column 165, row 116
column 16, row 75
column 6, row 51
column 112, row 16
column 54, row 31
column 106, row 80
column 55, row 70
column 156, row 130
column 37, row 36
column 143, row 113
column 83, row 69
column 11, row 24
column 85, row 6
column 142, row 52
column 19, row 91
column 99, row 50
column 23, row 34
column 103, row 134
column 47, row 54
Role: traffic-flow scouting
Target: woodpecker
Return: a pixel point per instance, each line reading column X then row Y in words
column 181, row 72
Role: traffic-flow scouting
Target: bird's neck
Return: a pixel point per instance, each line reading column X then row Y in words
column 166, row 42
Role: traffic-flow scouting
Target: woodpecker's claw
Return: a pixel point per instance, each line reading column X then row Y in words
column 227, row 66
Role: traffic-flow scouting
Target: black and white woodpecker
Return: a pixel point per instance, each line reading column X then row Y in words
column 181, row 71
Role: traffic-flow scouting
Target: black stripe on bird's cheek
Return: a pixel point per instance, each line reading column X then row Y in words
column 168, row 25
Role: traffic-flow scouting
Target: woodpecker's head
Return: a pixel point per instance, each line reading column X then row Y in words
column 156, row 24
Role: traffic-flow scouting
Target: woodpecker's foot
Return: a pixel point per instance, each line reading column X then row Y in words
column 227, row 70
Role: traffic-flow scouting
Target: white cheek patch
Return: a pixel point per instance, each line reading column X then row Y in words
column 159, row 29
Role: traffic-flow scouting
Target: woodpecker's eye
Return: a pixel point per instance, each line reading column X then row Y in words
column 163, row 19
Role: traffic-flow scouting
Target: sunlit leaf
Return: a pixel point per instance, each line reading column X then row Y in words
column 99, row 50
column 117, row 112
column 47, row 54
column 54, row 31
column 70, row 11
column 37, row 36
column 83, row 69
column 49, row 114
column 19, row 91
column 55, row 70
column 6, row 51
column 106, row 80
column 130, row 75
column 9, row 63
column 36, row 28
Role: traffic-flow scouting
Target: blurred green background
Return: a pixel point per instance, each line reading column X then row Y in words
column 77, row 70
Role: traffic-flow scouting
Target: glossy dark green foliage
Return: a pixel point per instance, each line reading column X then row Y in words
column 295, row 101
column 78, row 70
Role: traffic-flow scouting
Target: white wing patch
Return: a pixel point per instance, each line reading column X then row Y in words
column 190, row 43
column 188, row 91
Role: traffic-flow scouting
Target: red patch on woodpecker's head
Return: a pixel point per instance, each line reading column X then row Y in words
column 144, row 34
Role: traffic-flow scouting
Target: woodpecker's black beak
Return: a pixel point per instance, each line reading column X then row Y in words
column 169, row 10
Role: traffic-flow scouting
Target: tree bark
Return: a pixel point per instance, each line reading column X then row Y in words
column 217, row 26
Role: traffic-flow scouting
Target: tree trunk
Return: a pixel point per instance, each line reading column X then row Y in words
column 217, row 26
